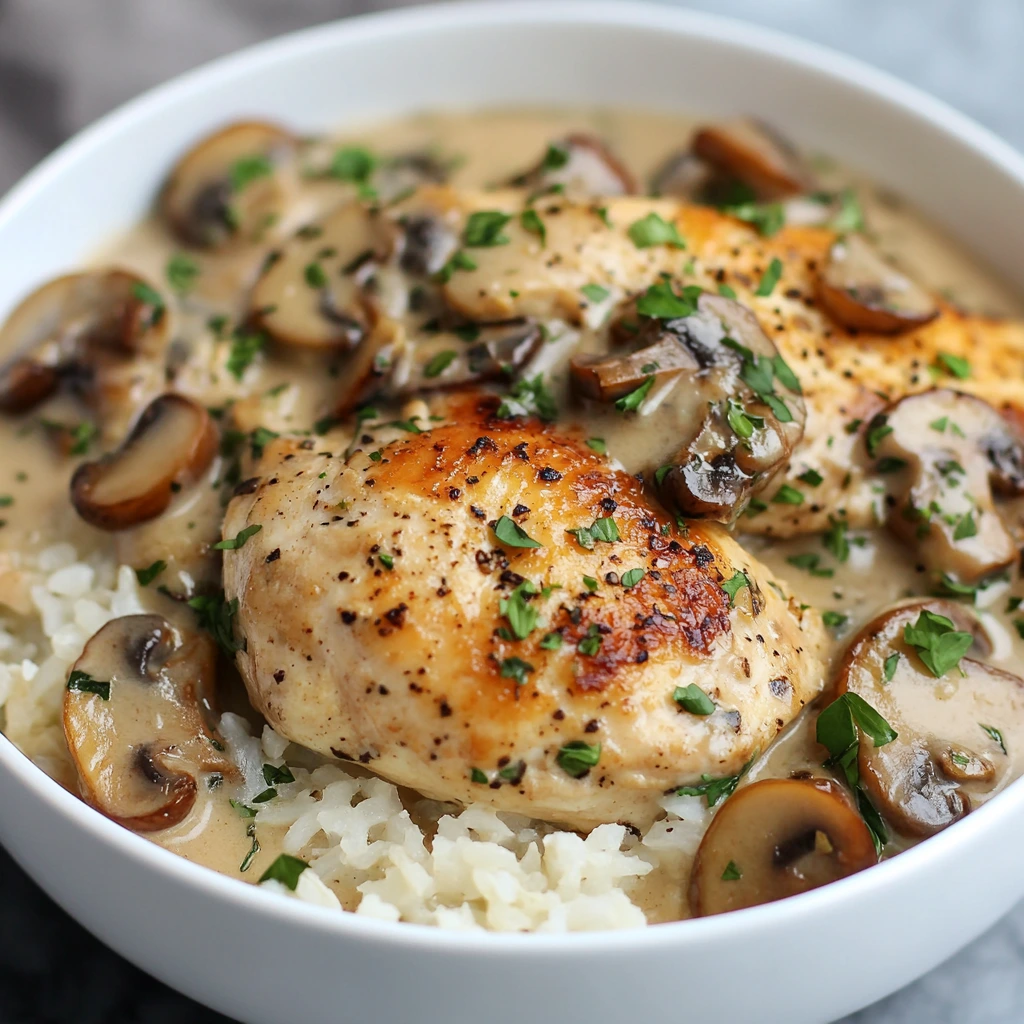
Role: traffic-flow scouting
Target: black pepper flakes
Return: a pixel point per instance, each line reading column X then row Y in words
column 273, row 556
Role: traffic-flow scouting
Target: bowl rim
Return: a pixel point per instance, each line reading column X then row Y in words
column 813, row 57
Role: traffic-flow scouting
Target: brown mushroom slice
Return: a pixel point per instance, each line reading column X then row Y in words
column 399, row 175
column 446, row 360
column 607, row 378
column 731, row 438
column 774, row 839
column 944, row 452
column 315, row 294
column 368, row 370
column 135, row 720
column 79, row 328
column 863, row 292
column 580, row 164
column 232, row 186
column 683, row 174
column 944, row 754
column 751, row 152
column 172, row 443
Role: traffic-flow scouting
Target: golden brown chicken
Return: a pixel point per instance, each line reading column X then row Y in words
column 489, row 611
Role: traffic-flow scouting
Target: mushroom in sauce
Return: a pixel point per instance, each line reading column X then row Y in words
column 739, row 406
column 98, row 331
column 231, row 187
column 776, row 838
column 751, row 152
column 945, row 452
column 863, row 292
column 135, row 711
column 172, row 443
column 317, row 293
column 955, row 717
column 580, row 165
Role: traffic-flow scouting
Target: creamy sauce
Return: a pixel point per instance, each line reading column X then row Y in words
column 288, row 390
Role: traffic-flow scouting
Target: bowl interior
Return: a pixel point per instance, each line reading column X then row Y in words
column 473, row 56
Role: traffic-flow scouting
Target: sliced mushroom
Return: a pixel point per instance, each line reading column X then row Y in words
column 753, row 153
column 481, row 352
column 738, row 413
column 774, row 839
column 135, row 719
column 369, row 368
column 580, row 164
column 399, row 175
column 317, row 293
column 683, row 174
column 232, row 186
column 863, row 292
column 87, row 329
column 944, row 752
column 944, row 452
column 171, row 444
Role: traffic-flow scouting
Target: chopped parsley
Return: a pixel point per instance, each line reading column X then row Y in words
column 234, row 543
column 477, row 776
column 275, row 775
column 836, row 730
column 84, row 683
column 693, row 699
column 836, row 539
column 315, row 275
column 286, row 869
column 354, row 164
column 590, row 644
column 811, row 477
column 965, row 527
column 661, row 302
column 259, row 438
column 731, row 873
column 597, row 444
column 715, row 790
column 521, row 615
column 388, row 561
column 528, row 397
column 595, row 293
column 770, row 279
column 890, row 665
column 635, row 398
column 182, row 272
column 810, row 562
column 245, row 171
column 439, row 363
column 484, row 229
column 878, row 430
column 459, row 261
column 957, row 366
column 150, row 573
column 655, row 230
column 530, row 221
column 578, row 757
column 768, row 218
column 551, row 642
column 601, row 529
column 938, row 643
column 834, row 620
column 590, row 583
column 216, row 616
column 787, row 495
column 995, row 734
column 631, row 577
column 244, row 348
column 516, row 669
column 727, row 291
column 737, row 582
column 509, row 532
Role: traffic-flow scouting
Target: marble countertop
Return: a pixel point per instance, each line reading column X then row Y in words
column 65, row 62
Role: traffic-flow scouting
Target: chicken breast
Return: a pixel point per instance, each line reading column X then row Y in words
column 846, row 376
column 424, row 607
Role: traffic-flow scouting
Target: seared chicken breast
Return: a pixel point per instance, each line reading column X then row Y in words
column 490, row 611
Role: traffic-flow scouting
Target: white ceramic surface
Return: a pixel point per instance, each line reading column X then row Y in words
column 266, row 960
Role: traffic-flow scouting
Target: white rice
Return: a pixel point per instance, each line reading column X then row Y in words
column 368, row 852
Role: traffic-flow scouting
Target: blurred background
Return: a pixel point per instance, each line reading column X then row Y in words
column 63, row 63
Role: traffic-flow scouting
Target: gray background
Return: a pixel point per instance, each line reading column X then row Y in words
column 65, row 62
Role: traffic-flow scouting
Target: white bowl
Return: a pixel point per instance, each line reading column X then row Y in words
column 268, row 960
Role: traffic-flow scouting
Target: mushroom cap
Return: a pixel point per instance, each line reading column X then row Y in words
column 134, row 720
column 315, row 294
column 172, row 442
column 84, row 328
column 583, row 165
column 863, row 292
column 734, row 435
column 779, row 837
column 943, row 754
column 752, row 152
column 231, row 186
column 949, row 450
